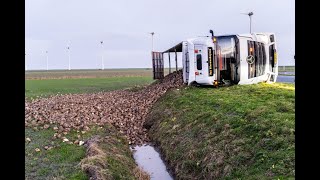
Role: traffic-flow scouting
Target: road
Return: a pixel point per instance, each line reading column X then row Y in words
column 286, row 79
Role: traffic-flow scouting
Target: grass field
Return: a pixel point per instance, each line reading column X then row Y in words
column 47, row 87
column 237, row 132
column 138, row 72
column 62, row 161
column 90, row 73
column 286, row 68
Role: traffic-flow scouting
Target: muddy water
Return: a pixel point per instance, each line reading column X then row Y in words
column 150, row 161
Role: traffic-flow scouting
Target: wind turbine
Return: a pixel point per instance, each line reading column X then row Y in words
column 152, row 33
column 102, row 62
column 249, row 14
column 47, row 60
column 68, row 47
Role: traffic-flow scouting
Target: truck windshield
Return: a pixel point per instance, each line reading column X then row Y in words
column 227, row 47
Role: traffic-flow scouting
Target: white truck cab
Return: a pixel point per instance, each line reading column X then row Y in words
column 225, row 59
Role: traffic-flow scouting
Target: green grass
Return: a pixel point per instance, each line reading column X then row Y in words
column 62, row 162
column 237, row 132
column 47, row 87
column 113, row 158
column 89, row 73
column 59, row 162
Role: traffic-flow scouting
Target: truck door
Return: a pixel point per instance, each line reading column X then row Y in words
column 157, row 65
column 272, row 57
column 201, row 63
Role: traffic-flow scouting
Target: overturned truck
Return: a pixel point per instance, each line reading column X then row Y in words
column 223, row 60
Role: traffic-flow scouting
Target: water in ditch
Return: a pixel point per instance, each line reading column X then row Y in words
column 150, row 161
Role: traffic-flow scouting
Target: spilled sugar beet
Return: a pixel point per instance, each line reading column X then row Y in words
column 126, row 110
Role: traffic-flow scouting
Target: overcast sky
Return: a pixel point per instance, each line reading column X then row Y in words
column 125, row 26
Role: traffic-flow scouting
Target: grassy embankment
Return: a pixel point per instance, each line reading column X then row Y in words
column 237, row 132
column 63, row 160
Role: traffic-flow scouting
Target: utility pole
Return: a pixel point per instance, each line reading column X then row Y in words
column 47, row 60
column 102, row 62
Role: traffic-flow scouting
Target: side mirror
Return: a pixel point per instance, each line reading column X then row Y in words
column 211, row 33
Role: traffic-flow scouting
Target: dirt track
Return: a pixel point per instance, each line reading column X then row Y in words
column 126, row 110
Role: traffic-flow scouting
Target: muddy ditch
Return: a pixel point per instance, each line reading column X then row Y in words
column 150, row 159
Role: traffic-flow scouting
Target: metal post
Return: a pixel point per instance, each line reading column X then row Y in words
column 153, row 65
column 169, row 63
column 176, row 58
column 153, row 55
column 162, row 65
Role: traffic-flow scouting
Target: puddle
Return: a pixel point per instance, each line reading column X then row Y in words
column 150, row 161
